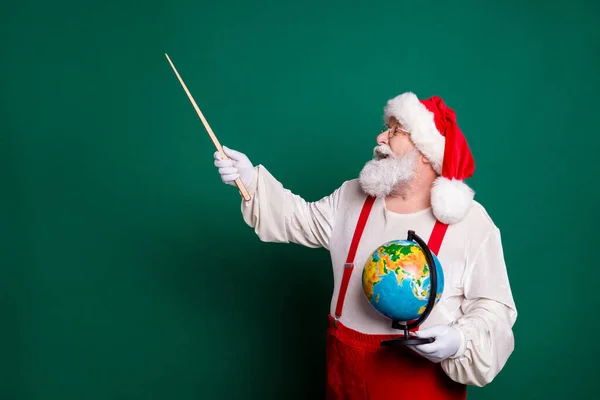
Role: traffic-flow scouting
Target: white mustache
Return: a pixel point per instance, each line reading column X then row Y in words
column 383, row 150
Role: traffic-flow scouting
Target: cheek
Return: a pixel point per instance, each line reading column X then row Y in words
column 400, row 146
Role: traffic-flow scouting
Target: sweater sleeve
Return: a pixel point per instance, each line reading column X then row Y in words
column 489, row 314
column 278, row 215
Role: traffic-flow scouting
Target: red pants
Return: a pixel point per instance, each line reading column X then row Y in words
column 359, row 368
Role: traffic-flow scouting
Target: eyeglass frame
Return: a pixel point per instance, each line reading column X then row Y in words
column 387, row 127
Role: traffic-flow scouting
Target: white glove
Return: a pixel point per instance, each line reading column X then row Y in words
column 447, row 342
column 238, row 166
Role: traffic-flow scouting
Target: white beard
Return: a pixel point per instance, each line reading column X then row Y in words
column 388, row 174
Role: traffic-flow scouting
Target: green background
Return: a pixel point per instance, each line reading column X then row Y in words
column 126, row 269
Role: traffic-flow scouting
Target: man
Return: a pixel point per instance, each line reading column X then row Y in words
column 414, row 182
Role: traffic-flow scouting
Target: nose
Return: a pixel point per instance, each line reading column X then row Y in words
column 383, row 137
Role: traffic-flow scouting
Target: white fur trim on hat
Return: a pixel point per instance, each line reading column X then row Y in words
column 450, row 200
column 418, row 120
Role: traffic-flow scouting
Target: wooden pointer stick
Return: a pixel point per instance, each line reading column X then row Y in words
column 238, row 181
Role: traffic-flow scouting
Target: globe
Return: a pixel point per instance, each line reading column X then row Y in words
column 396, row 280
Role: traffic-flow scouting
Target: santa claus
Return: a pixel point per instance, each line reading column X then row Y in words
column 415, row 181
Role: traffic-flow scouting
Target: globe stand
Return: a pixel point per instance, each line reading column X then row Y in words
column 407, row 327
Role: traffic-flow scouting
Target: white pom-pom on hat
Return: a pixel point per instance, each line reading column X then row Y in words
column 451, row 199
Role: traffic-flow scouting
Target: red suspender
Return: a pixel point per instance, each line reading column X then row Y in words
column 349, row 266
column 434, row 244
column 437, row 236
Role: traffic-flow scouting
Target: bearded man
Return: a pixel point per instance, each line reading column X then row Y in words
column 415, row 181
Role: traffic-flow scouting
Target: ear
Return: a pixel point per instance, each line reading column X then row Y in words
column 425, row 160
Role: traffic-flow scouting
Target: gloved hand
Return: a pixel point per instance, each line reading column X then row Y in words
column 238, row 166
column 447, row 342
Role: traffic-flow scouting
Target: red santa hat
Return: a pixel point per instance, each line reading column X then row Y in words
column 435, row 133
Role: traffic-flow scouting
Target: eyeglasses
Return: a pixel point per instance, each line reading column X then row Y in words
column 393, row 131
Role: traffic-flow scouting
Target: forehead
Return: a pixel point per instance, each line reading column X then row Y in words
column 394, row 122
